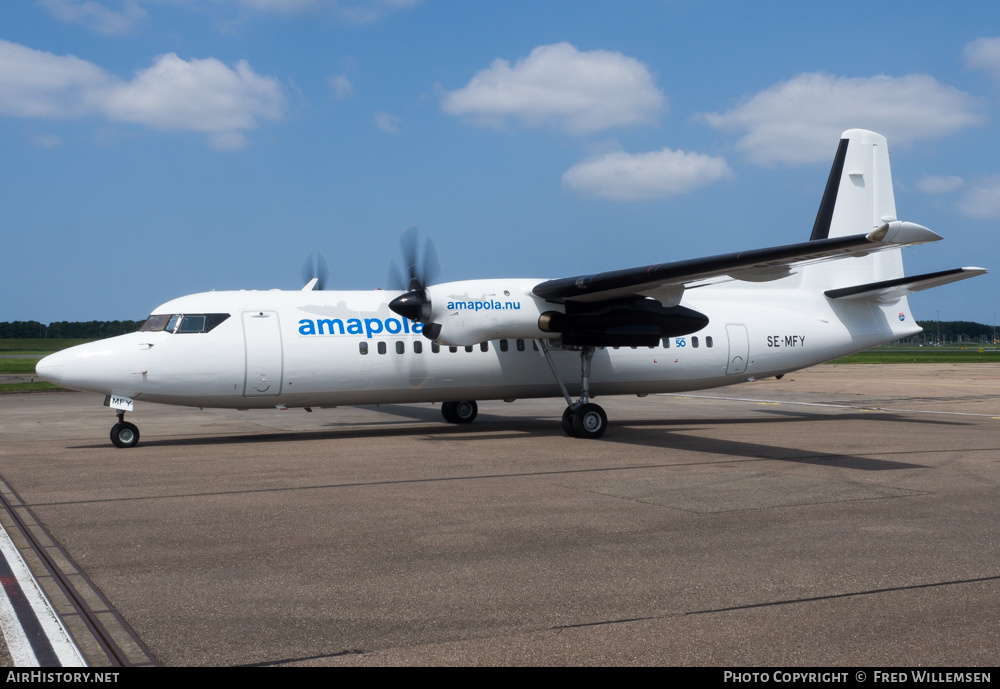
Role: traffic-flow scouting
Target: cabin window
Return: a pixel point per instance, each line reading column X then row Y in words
column 363, row 347
column 534, row 345
column 468, row 348
column 418, row 346
column 694, row 342
column 452, row 349
column 520, row 345
column 666, row 343
column 400, row 347
column 503, row 345
column 435, row 347
column 484, row 346
column 381, row 347
column 708, row 341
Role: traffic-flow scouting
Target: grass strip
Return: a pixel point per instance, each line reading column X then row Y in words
column 30, row 387
column 18, row 365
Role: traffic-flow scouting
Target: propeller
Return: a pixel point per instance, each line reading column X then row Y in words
column 422, row 266
column 316, row 269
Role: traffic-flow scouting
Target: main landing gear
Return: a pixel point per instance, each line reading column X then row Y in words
column 583, row 418
column 459, row 412
column 123, row 433
column 586, row 420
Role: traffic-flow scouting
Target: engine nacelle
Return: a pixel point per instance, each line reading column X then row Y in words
column 472, row 311
column 636, row 321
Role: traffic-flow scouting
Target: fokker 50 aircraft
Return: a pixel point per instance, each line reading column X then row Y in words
column 670, row 327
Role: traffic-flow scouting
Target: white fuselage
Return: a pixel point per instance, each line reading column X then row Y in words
column 327, row 348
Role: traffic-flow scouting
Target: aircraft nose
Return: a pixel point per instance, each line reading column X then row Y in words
column 51, row 368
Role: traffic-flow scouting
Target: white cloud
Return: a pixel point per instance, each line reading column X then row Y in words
column 944, row 184
column 387, row 123
column 96, row 16
column 800, row 120
column 984, row 54
column 627, row 177
column 196, row 95
column 557, row 85
column 982, row 200
column 173, row 94
column 38, row 84
column 342, row 86
column 118, row 17
column 353, row 11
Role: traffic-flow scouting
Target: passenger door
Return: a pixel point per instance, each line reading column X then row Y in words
column 262, row 338
column 739, row 349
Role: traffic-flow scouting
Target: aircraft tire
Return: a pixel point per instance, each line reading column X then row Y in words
column 465, row 411
column 589, row 421
column 124, row 434
column 448, row 412
column 567, row 422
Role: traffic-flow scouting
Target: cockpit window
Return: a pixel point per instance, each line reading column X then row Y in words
column 191, row 324
column 154, row 324
column 184, row 322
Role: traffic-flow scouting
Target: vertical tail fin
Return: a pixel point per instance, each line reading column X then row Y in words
column 858, row 199
column 858, row 196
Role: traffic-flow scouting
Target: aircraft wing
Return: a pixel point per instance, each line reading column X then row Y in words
column 758, row 265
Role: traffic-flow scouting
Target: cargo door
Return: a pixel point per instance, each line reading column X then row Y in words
column 262, row 337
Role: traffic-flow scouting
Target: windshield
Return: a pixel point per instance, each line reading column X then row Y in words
column 183, row 322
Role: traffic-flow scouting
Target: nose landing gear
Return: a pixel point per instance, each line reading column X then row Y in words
column 123, row 433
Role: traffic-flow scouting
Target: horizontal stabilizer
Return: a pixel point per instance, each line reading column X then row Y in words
column 890, row 290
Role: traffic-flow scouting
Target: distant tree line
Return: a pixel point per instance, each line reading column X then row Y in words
column 60, row 329
column 951, row 332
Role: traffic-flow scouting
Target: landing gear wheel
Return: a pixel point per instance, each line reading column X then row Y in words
column 466, row 411
column 567, row 422
column 124, row 434
column 448, row 412
column 459, row 412
column 589, row 421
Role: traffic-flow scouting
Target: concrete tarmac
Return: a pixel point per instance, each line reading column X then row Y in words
column 844, row 515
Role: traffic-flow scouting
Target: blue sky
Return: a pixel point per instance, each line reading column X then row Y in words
column 155, row 148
